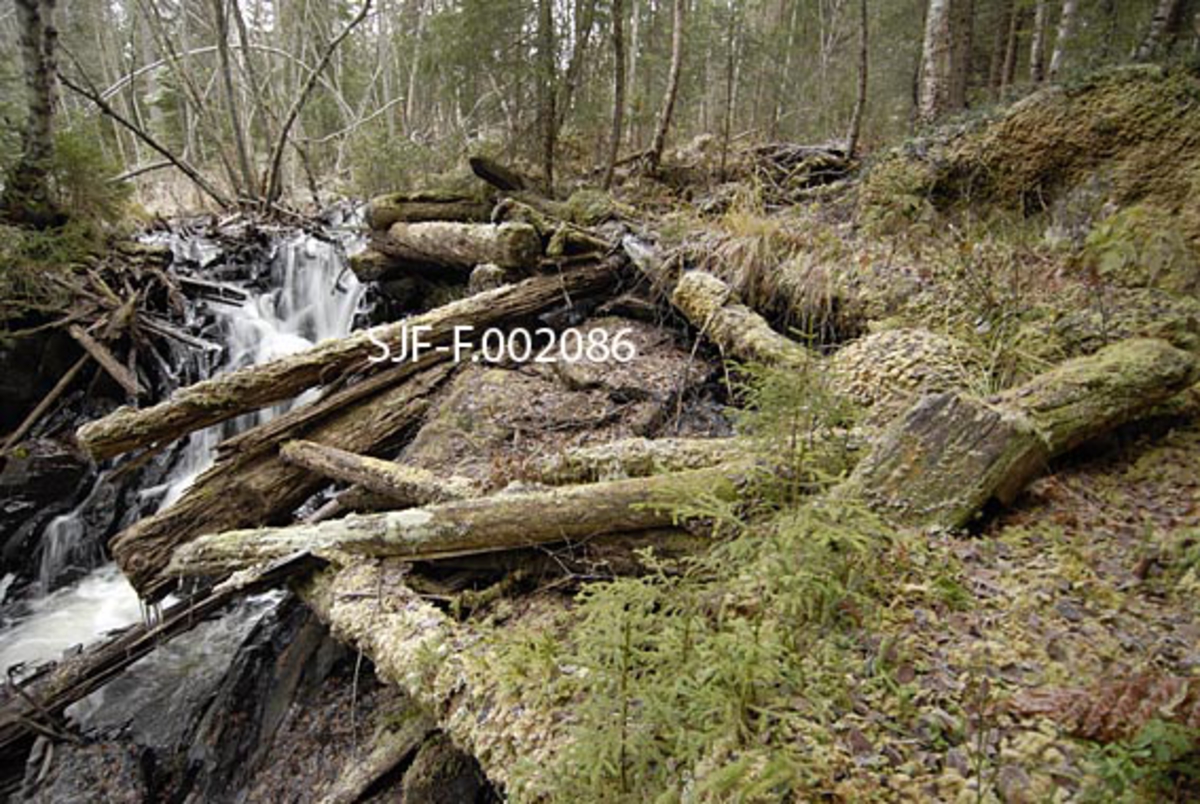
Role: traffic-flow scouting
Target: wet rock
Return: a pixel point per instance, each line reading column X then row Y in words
column 97, row 773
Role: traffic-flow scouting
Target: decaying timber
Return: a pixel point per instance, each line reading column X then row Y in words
column 637, row 457
column 441, row 246
column 466, row 527
column 421, row 206
column 402, row 485
column 264, row 488
column 245, row 390
column 950, row 454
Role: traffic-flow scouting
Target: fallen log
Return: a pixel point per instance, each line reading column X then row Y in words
column 106, row 359
column 420, row 207
column 402, row 485
column 637, row 457
column 467, row 527
column 503, row 178
column 248, row 389
column 940, row 463
column 710, row 305
column 439, row 246
column 24, row 706
column 263, row 488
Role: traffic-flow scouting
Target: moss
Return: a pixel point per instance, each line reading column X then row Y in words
column 1143, row 246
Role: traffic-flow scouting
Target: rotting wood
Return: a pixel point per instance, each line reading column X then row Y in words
column 941, row 462
column 636, row 457
column 264, row 489
column 244, row 390
column 467, row 527
column 418, row 207
column 456, row 247
column 403, row 485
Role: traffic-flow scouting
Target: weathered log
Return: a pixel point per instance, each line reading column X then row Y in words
column 105, row 358
column 242, row 493
column 637, row 457
column 424, row 206
column 245, row 390
column 467, row 527
column 403, row 485
column 940, row 463
column 440, row 246
column 503, row 178
column 46, row 694
column 741, row 333
column 710, row 305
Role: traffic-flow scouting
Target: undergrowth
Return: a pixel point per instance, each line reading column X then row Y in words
column 720, row 677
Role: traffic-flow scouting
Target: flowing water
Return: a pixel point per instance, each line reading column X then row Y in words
column 312, row 298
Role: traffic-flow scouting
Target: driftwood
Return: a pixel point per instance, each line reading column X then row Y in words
column 245, row 390
column 466, row 527
column 940, row 463
column 33, row 706
column 440, row 246
column 402, row 485
column 419, row 207
column 244, row 492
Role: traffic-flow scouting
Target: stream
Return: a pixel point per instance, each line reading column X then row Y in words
column 303, row 295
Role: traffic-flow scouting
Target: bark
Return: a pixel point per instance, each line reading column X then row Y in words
column 547, row 116
column 438, row 246
column 27, row 197
column 404, row 486
column 740, row 332
column 262, row 489
column 1066, row 31
column 466, row 527
column 1165, row 20
column 933, row 86
column 245, row 390
column 1000, row 42
column 637, row 457
column 1037, row 46
column 422, row 207
column 585, row 19
column 221, row 17
column 618, row 110
column 860, row 101
column 962, row 33
column 654, row 157
column 1015, row 24
column 939, row 464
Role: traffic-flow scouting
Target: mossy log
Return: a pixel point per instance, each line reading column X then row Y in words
column 420, row 207
column 637, row 457
column 248, row 389
column 466, row 527
column 402, row 485
column 710, row 304
column 440, row 246
column 941, row 462
column 240, row 493
column 741, row 333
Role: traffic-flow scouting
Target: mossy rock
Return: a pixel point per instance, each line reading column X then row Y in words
column 591, row 207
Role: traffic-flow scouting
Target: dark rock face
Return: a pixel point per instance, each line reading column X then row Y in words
column 39, row 480
column 441, row 774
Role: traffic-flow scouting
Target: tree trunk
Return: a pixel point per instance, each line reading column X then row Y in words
column 27, row 198
column 547, row 117
column 618, row 111
column 221, row 18
column 934, row 83
column 1000, row 42
column 860, row 101
column 962, row 32
column 467, row 527
column 1066, row 31
column 585, row 20
column 668, row 107
column 1015, row 23
column 1165, row 20
column 949, row 455
column 440, row 246
column 422, row 207
column 1037, row 47
column 244, row 390
column 405, row 486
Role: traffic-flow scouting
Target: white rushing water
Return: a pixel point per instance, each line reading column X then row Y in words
column 313, row 299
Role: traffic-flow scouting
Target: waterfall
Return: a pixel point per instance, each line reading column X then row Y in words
column 311, row 298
